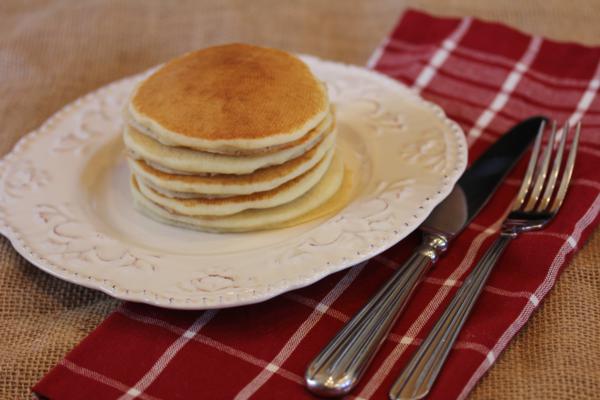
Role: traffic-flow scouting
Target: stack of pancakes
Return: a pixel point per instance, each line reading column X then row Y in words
column 231, row 138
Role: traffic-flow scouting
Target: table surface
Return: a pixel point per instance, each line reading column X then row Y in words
column 53, row 52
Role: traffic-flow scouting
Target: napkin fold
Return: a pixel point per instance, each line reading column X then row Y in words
column 487, row 77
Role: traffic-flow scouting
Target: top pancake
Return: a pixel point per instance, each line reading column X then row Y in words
column 230, row 98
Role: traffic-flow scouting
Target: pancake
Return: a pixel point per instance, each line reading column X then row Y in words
column 250, row 220
column 223, row 185
column 230, row 98
column 235, row 204
column 187, row 161
column 239, row 152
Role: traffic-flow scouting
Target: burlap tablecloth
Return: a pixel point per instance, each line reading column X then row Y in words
column 53, row 52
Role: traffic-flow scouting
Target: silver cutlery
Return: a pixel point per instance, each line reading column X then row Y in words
column 339, row 366
column 538, row 188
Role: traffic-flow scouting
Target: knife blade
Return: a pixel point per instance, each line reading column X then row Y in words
column 336, row 370
column 480, row 180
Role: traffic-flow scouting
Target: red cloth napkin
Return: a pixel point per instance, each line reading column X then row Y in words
column 487, row 77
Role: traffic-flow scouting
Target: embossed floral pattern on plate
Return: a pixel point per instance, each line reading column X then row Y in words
column 64, row 201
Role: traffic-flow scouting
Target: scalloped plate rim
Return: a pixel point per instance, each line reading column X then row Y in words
column 21, row 247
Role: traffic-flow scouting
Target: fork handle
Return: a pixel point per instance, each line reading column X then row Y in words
column 339, row 366
column 418, row 377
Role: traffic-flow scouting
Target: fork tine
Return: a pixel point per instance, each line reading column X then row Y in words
column 530, row 168
column 542, row 172
column 554, row 173
column 566, row 177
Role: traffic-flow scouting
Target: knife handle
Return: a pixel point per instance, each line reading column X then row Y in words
column 418, row 377
column 338, row 367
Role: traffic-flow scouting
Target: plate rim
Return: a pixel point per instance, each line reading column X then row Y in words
column 19, row 244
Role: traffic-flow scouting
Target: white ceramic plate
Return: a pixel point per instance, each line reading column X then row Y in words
column 65, row 203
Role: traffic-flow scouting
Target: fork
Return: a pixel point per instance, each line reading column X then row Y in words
column 533, row 208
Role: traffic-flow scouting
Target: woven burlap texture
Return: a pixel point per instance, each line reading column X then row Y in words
column 53, row 52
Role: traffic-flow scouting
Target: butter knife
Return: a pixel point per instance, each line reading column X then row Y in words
column 336, row 370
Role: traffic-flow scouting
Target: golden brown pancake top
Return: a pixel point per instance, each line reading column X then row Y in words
column 230, row 92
